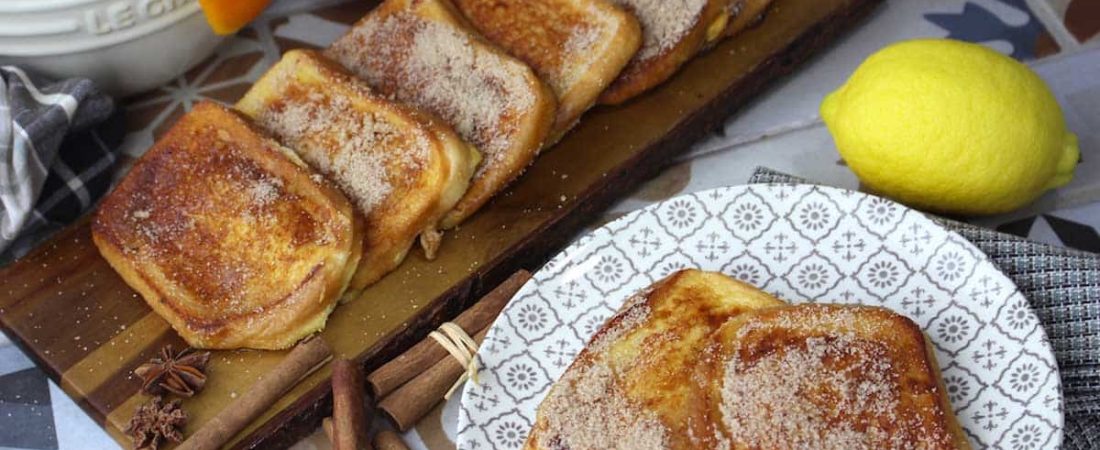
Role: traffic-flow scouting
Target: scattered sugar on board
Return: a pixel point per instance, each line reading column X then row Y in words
column 443, row 69
column 664, row 22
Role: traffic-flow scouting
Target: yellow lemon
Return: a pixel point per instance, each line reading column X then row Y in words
column 951, row 127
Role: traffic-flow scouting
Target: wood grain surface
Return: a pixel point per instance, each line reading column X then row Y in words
column 69, row 311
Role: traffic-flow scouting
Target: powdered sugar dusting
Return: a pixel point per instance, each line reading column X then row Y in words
column 582, row 40
column 265, row 191
column 440, row 68
column 664, row 22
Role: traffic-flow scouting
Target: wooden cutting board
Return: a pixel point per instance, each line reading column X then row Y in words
column 88, row 330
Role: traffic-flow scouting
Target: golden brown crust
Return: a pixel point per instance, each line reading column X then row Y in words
column 577, row 46
column 424, row 53
column 685, row 362
column 226, row 235
column 651, row 346
column 673, row 33
column 400, row 167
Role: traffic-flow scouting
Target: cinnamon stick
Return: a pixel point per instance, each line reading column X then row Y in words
column 349, row 418
column 415, row 399
column 303, row 360
column 427, row 352
column 388, row 440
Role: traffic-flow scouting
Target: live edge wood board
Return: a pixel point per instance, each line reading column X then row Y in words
column 88, row 330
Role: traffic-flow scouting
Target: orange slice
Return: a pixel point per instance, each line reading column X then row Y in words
column 228, row 16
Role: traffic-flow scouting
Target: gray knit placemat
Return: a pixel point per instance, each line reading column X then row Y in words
column 1063, row 286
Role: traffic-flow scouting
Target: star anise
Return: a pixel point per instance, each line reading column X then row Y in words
column 178, row 373
column 156, row 422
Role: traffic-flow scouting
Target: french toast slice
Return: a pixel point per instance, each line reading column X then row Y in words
column 402, row 169
column 577, row 46
column 699, row 360
column 228, row 236
column 673, row 32
column 634, row 386
column 830, row 377
column 424, row 53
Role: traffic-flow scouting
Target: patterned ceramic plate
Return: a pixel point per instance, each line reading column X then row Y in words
column 802, row 243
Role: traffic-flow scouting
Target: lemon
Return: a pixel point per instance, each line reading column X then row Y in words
column 951, row 127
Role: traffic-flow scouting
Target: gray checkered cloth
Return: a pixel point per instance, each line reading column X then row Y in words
column 55, row 155
column 1063, row 286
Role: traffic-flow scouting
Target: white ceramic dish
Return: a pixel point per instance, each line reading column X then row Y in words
column 125, row 46
column 802, row 243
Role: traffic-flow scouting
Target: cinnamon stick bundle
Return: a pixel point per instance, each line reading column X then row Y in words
column 303, row 360
column 415, row 399
column 427, row 353
column 349, row 418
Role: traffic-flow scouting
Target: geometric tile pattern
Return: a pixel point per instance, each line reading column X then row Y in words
column 805, row 244
column 976, row 23
column 25, row 398
column 1073, row 234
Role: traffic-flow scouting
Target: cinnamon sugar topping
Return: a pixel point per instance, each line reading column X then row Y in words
column 664, row 22
column 363, row 153
column 442, row 69
column 633, row 314
column 559, row 39
column 587, row 410
column 836, row 390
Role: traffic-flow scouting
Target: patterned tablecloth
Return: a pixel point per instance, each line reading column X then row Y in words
column 782, row 130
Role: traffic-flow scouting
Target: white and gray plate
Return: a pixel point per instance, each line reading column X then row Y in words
column 804, row 244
